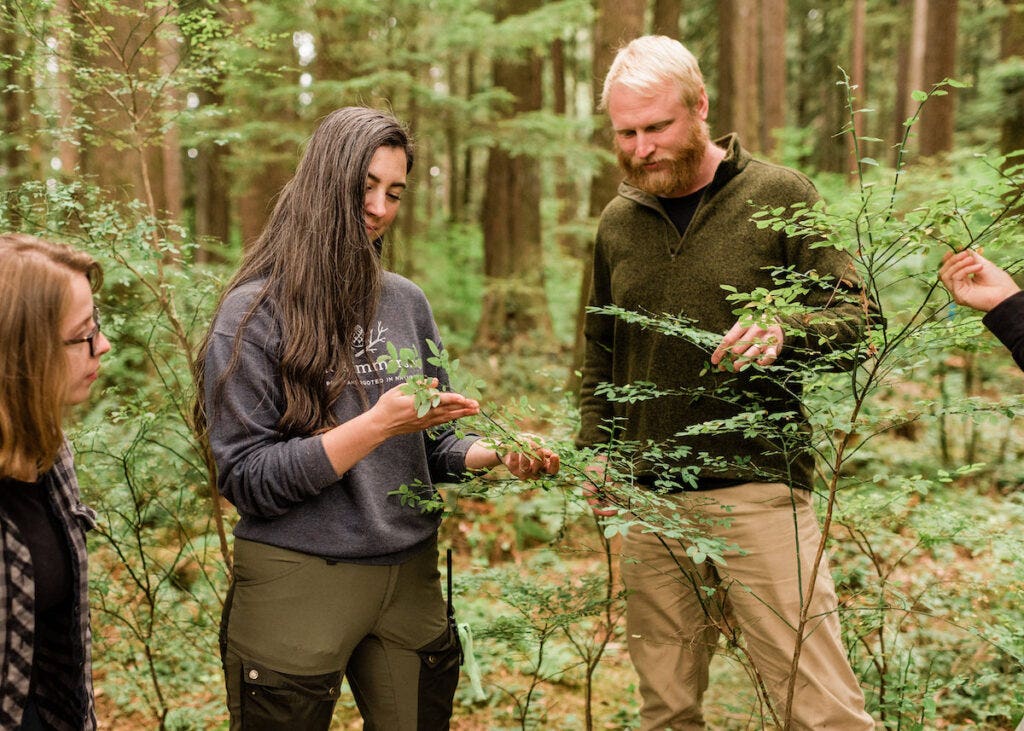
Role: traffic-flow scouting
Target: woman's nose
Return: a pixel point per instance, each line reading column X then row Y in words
column 102, row 344
column 374, row 204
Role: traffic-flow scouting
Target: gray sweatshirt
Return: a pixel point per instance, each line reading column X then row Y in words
column 285, row 489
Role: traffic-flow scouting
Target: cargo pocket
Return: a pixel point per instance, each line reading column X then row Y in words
column 439, row 676
column 273, row 701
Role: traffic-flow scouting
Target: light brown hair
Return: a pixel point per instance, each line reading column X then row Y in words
column 35, row 278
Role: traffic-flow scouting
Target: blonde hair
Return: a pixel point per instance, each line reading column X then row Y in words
column 34, row 300
column 648, row 62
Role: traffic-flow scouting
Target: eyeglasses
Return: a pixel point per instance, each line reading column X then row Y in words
column 91, row 337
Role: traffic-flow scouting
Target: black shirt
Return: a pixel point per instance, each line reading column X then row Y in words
column 27, row 505
column 680, row 210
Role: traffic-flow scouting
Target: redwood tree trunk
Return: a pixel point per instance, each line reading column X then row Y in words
column 858, row 76
column 10, row 124
column 666, row 17
column 617, row 22
column 902, row 93
column 211, row 188
column 1012, row 47
column 738, row 107
column 515, row 304
column 936, row 127
column 773, row 71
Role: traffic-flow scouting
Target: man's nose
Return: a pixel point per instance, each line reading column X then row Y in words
column 645, row 145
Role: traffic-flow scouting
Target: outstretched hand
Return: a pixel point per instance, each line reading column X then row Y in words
column 396, row 412
column 532, row 462
column 524, row 458
column 974, row 281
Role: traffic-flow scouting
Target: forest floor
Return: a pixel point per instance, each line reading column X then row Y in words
column 557, row 703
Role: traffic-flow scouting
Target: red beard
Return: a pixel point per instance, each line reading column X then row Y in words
column 681, row 172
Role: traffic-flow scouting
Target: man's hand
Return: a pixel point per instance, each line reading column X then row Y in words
column 746, row 344
column 592, row 488
column 974, row 281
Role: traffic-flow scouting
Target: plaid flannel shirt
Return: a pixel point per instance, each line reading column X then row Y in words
column 64, row 695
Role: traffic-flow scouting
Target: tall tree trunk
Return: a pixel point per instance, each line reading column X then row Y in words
column 937, row 118
column 566, row 187
column 214, row 204
column 616, row 23
column 400, row 254
column 126, row 111
column 1011, row 137
column 515, row 303
column 918, row 47
column 211, row 189
column 452, row 135
column 68, row 144
column 666, row 17
column 467, row 155
column 773, row 71
column 173, row 179
column 738, row 107
column 901, row 96
column 858, row 77
column 10, row 125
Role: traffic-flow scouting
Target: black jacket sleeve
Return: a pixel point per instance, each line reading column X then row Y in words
column 1006, row 321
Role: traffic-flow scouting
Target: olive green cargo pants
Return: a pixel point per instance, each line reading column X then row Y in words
column 295, row 624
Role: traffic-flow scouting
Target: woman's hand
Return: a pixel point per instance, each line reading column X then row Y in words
column 974, row 281
column 531, row 463
column 526, row 461
column 395, row 411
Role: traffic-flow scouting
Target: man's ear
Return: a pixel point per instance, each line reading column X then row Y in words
column 701, row 109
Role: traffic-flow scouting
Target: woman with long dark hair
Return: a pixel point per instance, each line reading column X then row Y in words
column 334, row 575
column 50, row 350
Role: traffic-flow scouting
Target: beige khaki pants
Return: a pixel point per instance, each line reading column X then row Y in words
column 675, row 606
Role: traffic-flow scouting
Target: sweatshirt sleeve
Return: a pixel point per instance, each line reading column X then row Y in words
column 1006, row 321
column 446, row 451
column 261, row 472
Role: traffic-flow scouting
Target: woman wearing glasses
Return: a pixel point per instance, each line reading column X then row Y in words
column 49, row 359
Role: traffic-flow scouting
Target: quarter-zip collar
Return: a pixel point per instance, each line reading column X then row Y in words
column 736, row 158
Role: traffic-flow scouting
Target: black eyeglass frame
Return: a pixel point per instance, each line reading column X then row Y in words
column 91, row 337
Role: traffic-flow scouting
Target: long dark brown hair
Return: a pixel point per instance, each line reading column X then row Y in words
column 322, row 270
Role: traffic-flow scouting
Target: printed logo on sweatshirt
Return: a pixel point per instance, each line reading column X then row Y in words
column 365, row 347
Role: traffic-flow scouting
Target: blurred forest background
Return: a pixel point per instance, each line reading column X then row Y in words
column 156, row 135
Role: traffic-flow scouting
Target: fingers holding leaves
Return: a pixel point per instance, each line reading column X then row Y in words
column 747, row 343
column 529, row 461
column 419, row 404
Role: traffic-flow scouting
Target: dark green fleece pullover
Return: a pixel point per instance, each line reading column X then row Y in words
column 642, row 264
